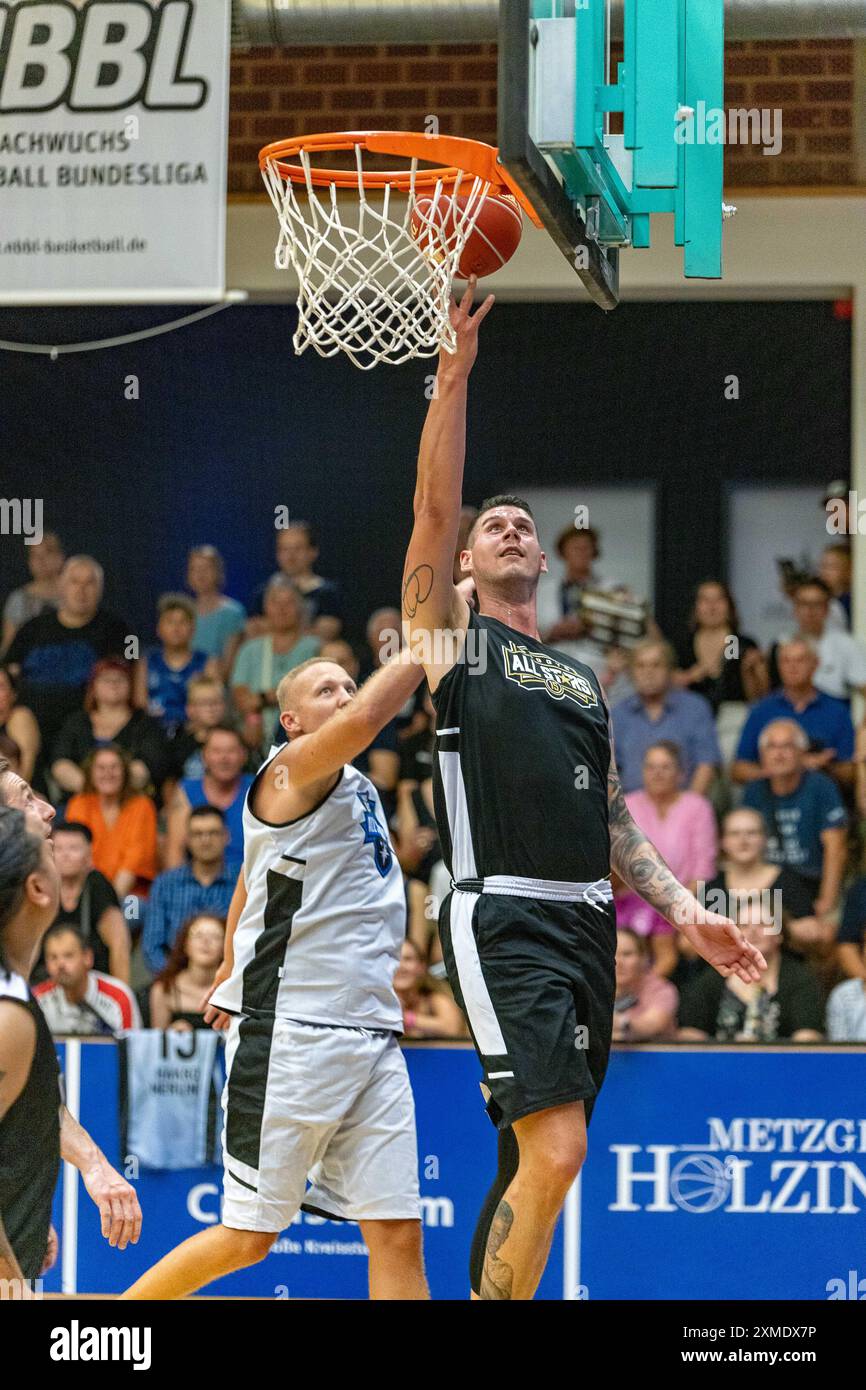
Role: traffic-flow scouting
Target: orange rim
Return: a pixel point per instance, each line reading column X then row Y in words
column 451, row 156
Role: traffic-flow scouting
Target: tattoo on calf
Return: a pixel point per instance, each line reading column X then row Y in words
column 498, row 1276
column 416, row 589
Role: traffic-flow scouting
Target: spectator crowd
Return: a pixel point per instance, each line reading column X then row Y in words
column 742, row 764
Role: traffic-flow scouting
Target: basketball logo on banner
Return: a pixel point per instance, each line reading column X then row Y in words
column 113, row 143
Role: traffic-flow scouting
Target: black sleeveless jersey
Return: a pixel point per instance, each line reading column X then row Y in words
column 521, row 760
column 30, row 1142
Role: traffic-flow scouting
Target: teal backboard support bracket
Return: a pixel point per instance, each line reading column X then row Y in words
column 594, row 186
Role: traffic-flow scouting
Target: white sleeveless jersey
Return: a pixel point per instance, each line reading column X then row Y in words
column 325, row 916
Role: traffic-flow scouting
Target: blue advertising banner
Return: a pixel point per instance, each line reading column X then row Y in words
column 711, row 1175
column 722, row 1174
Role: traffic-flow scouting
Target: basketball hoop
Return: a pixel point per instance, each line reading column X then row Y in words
column 377, row 284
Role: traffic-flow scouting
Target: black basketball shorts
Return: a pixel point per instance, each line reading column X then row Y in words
column 536, row 982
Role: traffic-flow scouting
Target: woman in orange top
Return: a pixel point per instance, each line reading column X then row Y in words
column 122, row 822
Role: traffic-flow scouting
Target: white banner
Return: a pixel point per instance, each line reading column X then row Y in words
column 113, row 150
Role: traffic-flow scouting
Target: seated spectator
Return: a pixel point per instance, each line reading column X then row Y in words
column 418, row 847
column 803, row 812
column 88, row 904
column 578, row 549
column 428, row 1011
column 835, row 571
column 10, row 753
column 164, row 673
column 721, row 663
column 385, row 636
column 416, row 745
column 224, row 784
column 17, row 722
column 658, row 711
column 177, row 995
column 679, row 823
column 784, row 1005
column 220, row 620
column 682, row 826
column 262, row 661
column 296, row 554
column 41, row 592
column 852, row 925
column 76, row 999
column 645, row 1006
column 122, row 822
column 55, row 653
column 636, row 915
column 206, row 706
column 108, row 716
column 749, row 876
column 846, row 1007
column 826, row 722
column 202, row 885
column 841, row 669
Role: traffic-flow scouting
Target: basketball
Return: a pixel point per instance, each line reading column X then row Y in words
column 492, row 241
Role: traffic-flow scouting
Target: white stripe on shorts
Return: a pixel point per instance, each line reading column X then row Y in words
column 476, row 997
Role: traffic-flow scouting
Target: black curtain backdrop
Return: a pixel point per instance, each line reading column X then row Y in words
column 230, row 425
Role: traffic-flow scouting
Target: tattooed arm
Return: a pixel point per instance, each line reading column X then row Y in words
column 639, row 864
column 430, row 602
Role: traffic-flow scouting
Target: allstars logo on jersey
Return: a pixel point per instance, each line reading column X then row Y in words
column 374, row 834
column 537, row 669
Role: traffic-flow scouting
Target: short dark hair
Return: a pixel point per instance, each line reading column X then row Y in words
column 308, row 529
column 10, row 750
column 201, row 812
column 501, row 499
column 223, row 729
column 667, row 745
column 20, row 856
column 74, row 827
column 813, row 583
column 60, row 929
column 574, row 530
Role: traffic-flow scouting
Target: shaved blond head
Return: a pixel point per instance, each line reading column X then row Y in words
column 286, row 687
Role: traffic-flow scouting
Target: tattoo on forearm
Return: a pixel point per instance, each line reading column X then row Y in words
column 416, row 589
column 635, row 859
column 497, row 1277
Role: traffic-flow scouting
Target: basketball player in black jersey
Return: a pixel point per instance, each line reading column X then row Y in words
column 532, row 818
column 36, row 1129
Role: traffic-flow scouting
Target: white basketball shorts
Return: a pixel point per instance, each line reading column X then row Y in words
column 332, row 1105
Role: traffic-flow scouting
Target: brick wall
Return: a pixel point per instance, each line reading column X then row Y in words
column 282, row 92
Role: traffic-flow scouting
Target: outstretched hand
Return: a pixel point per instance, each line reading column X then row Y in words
column 465, row 325
column 723, row 945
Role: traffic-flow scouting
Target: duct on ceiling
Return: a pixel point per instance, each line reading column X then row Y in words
column 296, row 22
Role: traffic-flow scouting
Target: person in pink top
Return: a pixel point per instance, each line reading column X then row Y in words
column 645, row 1008
column 683, row 826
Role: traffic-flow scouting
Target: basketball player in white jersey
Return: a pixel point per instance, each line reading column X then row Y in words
column 316, row 1083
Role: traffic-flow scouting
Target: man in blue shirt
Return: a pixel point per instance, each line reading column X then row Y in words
column 659, row 711
column 202, row 885
column 803, row 812
column 825, row 721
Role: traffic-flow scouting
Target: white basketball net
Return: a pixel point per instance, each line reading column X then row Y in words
column 370, row 288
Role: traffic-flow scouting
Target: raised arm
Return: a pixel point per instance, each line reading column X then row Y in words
column 430, row 601
column 310, row 758
column 640, row 865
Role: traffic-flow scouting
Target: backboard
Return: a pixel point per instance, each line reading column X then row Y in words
column 598, row 151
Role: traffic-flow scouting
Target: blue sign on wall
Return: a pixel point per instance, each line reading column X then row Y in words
column 712, row 1174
